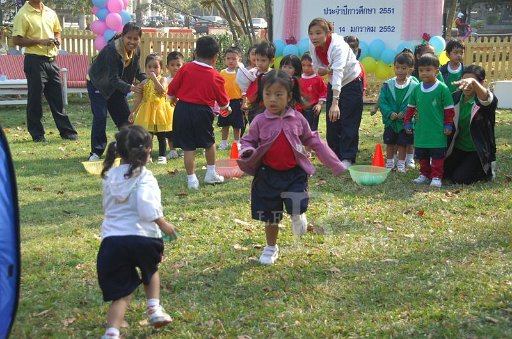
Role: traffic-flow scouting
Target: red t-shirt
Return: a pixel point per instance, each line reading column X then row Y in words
column 313, row 89
column 321, row 53
column 197, row 83
column 280, row 154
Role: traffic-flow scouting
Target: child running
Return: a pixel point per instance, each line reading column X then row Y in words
column 453, row 70
column 314, row 92
column 198, row 86
column 273, row 151
column 236, row 118
column 434, row 104
column 131, row 238
column 174, row 62
column 151, row 109
column 393, row 100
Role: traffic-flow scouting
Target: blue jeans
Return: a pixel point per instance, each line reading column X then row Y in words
column 116, row 105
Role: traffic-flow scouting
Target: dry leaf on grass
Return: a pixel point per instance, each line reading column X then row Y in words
column 182, row 194
column 143, row 322
column 45, row 312
column 258, row 246
column 239, row 247
column 420, row 213
column 60, row 192
column 243, row 337
column 410, row 236
column 241, row 222
column 508, row 178
column 252, row 259
column 266, row 289
column 389, row 229
column 37, row 189
column 492, row 320
column 334, row 270
column 173, row 172
column 67, row 322
column 312, row 228
column 394, row 261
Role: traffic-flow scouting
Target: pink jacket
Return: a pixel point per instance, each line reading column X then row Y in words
column 264, row 130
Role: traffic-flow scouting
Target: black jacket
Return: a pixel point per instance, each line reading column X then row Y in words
column 482, row 131
column 108, row 74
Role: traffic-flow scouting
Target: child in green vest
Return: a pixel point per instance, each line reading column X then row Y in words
column 453, row 70
column 433, row 104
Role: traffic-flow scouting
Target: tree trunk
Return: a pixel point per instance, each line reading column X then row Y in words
column 230, row 21
column 249, row 21
column 450, row 17
column 270, row 19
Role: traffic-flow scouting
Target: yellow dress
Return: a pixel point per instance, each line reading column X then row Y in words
column 155, row 112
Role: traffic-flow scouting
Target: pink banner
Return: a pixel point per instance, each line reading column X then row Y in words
column 420, row 16
column 291, row 22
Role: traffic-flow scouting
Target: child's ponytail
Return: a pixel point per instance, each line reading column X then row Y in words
column 296, row 94
column 110, row 157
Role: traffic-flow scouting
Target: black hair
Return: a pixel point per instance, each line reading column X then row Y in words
column 266, row 49
column 154, row 57
column 428, row 60
column 206, row 48
column 353, row 43
column 418, row 51
column 278, row 76
column 133, row 144
column 306, row 57
column 478, row 71
column 405, row 57
column 234, row 49
column 127, row 28
column 293, row 61
column 452, row 44
column 327, row 26
column 174, row 55
column 253, row 47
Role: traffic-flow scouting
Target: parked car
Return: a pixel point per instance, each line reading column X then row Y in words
column 259, row 23
column 205, row 22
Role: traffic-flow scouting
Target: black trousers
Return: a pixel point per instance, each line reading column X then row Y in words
column 43, row 78
column 463, row 167
column 343, row 134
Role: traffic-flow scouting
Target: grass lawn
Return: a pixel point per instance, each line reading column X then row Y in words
column 394, row 260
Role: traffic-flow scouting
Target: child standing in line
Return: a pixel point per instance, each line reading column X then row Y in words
column 434, row 104
column 174, row 62
column 273, row 151
column 151, row 109
column 393, row 100
column 291, row 65
column 314, row 92
column 131, row 230
column 453, row 70
column 198, row 86
column 419, row 50
column 236, row 118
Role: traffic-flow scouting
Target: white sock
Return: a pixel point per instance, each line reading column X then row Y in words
column 409, row 157
column 191, row 177
column 152, row 303
column 390, row 162
column 112, row 332
column 210, row 168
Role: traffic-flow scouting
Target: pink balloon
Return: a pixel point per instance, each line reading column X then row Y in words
column 125, row 3
column 94, row 10
column 98, row 27
column 114, row 21
column 99, row 42
column 115, row 6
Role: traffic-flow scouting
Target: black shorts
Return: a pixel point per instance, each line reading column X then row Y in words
column 192, row 126
column 271, row 189
column 312, row 118
column 118, row 260
column 401, row 138
column 427, row 153
column 236, row 118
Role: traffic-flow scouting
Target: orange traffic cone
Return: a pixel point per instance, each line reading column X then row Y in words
column 234, row 151
column 378, row 157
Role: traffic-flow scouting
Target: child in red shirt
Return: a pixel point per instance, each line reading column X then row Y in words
column 314, row 92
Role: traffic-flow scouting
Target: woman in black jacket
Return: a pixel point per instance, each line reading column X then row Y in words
column 110, row 79
column 471, row 154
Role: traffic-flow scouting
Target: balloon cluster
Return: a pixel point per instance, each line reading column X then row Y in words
column 112, row 16
column 282, row 49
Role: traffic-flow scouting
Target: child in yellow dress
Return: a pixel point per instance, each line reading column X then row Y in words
column 151, row 108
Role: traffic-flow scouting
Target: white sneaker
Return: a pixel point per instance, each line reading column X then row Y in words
column 269, row 256
column 94, row 157
column 161, row 160
column 299, row 224
column 390, row 164
column 410, row 164
column 172, row 154
column 400, row 166
column 223, row 146
column 421, row 180
column 347, row 163
column 110, row 336
column 436, row 182
column 193, row 184
column 213, row 178
column 158, row 318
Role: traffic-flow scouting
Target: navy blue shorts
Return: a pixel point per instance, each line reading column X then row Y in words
column 271, row 189
column 427, row 153
column 311, row 117
column 401, row 138
column 236, row 118
column 192, row 126
column 118, row 260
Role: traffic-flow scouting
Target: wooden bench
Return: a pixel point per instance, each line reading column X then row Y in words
column 73, row 67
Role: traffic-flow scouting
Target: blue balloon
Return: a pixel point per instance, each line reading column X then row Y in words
column 291, row 49
column 388, row 56
column 280, row 45
column 404, row 44
column 376, row 48
column 102, row 13
column 303, row 46
column 438, row 43
column 108, row 34
column 125, row 16
column 100, row 3
column 364, row 50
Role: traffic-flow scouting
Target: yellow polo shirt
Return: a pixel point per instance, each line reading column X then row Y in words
column 34, row 24
column 234, row 92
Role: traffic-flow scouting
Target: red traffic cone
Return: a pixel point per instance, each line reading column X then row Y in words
column 234, row 151
column 378, row 157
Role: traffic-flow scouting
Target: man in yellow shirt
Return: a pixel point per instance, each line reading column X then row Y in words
column 37, row 28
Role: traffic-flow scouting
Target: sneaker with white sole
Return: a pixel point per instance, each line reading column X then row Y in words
column 213, row 178
column 299, row 224
column 110, row 336
column 193, row 184
column 390, row 164
column 410, row 164
column 436, row 182
column 158, row 318
column 400, row 166
column 172, row 155
column 347, row 163
column 161, row 160
column 421, row 180
column 269, row 255
column 94, row 157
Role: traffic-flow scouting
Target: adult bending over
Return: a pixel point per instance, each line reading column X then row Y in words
column 332, row 56
column 471, row 154
column 109, row 81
